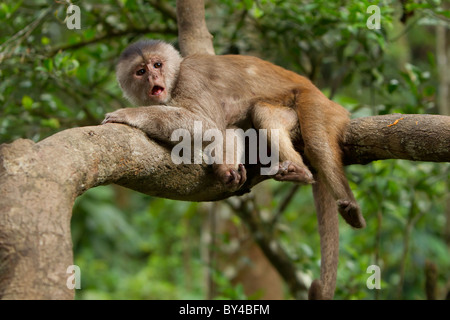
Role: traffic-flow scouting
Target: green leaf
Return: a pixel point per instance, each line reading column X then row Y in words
column 71, row 66
column 27, row 102
column 48, row 64
column 257, row 12
column 4, row 10
column 45, row 40
column 90, row 34
column 60, row 59
column 51, row 123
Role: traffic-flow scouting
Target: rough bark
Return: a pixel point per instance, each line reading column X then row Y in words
column 40, row 181
column 396, row 136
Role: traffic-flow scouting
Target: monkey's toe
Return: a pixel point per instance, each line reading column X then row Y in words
column 290, row 171
column 351, row 213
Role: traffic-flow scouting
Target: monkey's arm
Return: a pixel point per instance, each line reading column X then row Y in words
column 160, row 121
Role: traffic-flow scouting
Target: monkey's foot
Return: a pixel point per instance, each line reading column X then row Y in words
column 230, row 177
column 290, row 171
column 351, row 213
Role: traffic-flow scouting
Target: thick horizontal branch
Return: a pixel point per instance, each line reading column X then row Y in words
column 119, row 154
column 396, row 136
column 40, row 181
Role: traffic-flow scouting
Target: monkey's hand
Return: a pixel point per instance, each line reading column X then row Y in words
column 290, row 171
column 229, row 176
column 125, row 116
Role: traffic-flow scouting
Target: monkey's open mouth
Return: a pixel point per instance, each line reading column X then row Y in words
column 157, row 90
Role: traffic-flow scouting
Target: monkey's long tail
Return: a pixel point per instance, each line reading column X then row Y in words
column 327, row 217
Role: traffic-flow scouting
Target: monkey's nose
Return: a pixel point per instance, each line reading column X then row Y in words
column 152, row 78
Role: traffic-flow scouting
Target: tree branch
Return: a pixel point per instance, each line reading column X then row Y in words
column 413, row 137
column 39, row 183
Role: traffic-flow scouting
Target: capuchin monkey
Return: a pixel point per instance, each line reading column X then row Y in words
column 232, row 91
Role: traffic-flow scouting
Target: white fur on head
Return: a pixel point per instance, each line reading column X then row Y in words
column 133, row 55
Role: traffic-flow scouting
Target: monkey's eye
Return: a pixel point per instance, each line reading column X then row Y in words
column 157, row 65
column 140, row 72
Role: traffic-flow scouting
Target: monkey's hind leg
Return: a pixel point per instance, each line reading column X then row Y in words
column 283, row 120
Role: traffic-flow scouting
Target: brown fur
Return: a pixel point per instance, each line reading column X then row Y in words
column 243, row 91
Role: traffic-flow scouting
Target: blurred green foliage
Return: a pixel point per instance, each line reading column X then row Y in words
column 131, row 246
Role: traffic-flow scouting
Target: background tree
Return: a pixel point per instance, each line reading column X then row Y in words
column 134, row 246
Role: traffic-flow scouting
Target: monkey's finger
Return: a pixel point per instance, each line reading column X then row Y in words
column 115, row 118
column 243, row 173
column 106, row 120
column 109, row 118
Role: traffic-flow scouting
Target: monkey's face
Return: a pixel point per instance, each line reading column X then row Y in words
column 147, row 72
column 144, row 81
column 151, row 77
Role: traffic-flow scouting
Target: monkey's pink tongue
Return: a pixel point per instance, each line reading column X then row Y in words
column 157, row 90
